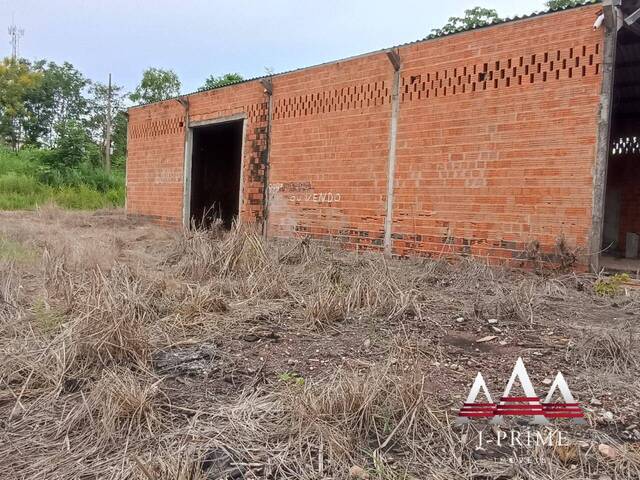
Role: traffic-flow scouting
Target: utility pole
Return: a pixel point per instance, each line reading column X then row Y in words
column 107, row 139
column 16, row 34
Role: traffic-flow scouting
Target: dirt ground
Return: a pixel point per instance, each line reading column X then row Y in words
column 130, row 351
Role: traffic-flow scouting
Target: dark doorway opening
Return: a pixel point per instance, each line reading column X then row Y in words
column 215, row 173
column 621, row 230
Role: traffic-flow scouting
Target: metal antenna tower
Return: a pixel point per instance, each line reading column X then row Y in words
column 16, row 34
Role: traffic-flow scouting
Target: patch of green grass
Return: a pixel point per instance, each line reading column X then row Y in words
column 292, row 378
column 12, row 182
column 117, row 195
column 18, row 192
column 25, row 186
column 84, row 198
column 15, row 201
column 22, row 163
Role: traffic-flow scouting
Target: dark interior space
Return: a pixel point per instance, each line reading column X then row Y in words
column 622, row 206
column 215, row 173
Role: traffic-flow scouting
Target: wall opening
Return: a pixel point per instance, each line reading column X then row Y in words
column 621, row 229
column 216, row 162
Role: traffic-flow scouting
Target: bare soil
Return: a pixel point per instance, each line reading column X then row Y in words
column 130, row 351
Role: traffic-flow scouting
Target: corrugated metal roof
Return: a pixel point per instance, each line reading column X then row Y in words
column 427, row 38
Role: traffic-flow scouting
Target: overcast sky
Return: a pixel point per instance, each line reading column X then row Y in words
column 197, row 38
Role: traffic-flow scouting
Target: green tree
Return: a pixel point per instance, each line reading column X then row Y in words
column 156, row 84
column 214, row 82
column 74, row 160
column 59, row 98
column 473, row 18
column 72, row 143
column 17, row 80
column 557, row 4
column 39, row 111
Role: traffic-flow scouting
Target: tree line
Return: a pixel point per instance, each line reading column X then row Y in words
column 56, row 108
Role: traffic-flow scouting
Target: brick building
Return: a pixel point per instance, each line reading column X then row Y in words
column 496, row 142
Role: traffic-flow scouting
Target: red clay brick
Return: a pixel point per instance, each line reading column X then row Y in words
column 495, row 147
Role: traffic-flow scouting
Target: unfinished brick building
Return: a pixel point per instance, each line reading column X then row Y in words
column 495, row 142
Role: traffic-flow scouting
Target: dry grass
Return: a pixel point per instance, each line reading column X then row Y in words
column 112, row 311
column 169, row 463
column 368, row 289
column 207, row 253
column 239, row 257
column 105, row 323
column 325, row 306
column 509, row 302
column 79, row 397
column 324, row 429
column 381, row 420
column 9, row 292
column 119, row 406
column 199, row 300
column 610, row 351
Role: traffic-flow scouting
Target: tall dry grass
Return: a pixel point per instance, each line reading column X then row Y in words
column 79, row 396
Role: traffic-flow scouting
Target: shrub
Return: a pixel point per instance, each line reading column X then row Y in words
column 116, row 196
column 81, row 197
column 611, row 286
column 71, row 148
column 33, row 177
column 18, row 191
column 99, row 179
column 18, row 183
column 16, row 164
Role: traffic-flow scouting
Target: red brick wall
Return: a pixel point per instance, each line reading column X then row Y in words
column 329, row 152
column 155, row 160
column 155, row 163
column 495, row 148
column 486, row 166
